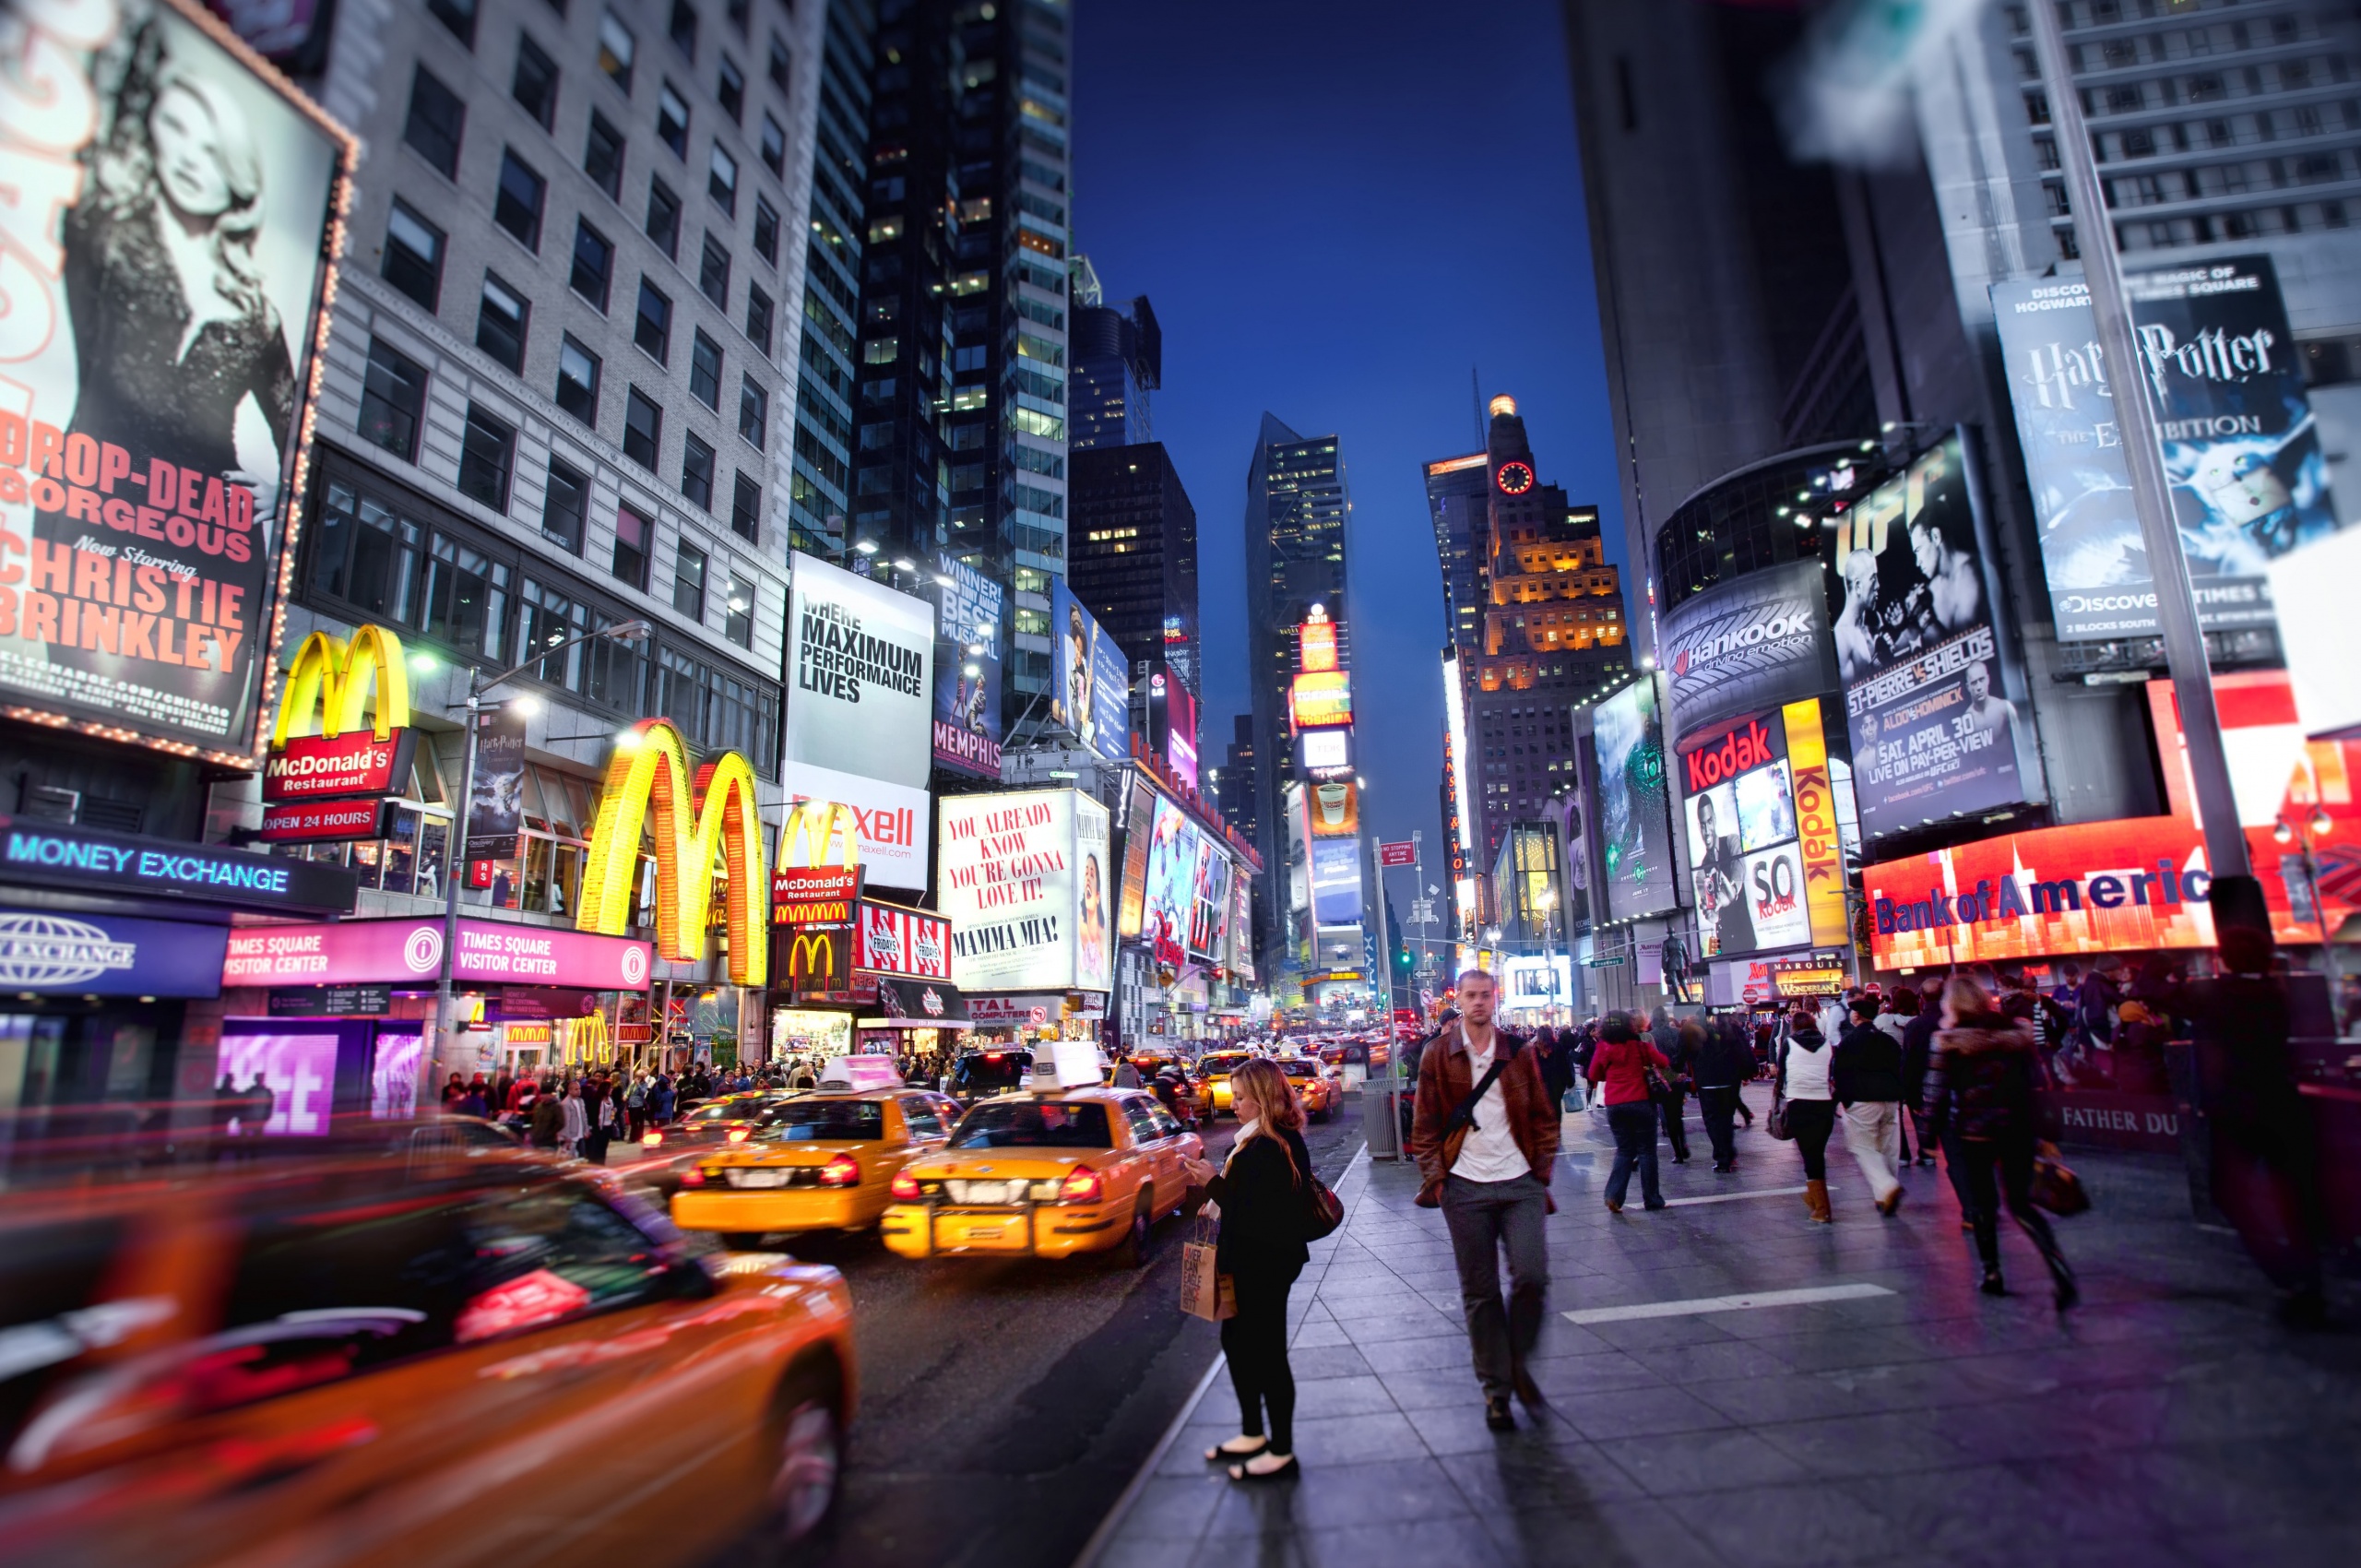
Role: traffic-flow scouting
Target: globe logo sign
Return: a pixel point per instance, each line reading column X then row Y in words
column 634, row 965
column 422, row 950
column 38, row 951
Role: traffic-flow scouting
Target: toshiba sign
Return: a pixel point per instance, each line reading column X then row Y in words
column 1748, row 646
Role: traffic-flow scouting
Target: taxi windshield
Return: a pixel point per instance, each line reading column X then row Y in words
column 1299, row 1069
column 724, row 1110
column 1221, row 1066
column 810, row 1120
column 1035, row 1125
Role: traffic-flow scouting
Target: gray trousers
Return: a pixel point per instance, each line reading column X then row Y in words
column 1485, row 1216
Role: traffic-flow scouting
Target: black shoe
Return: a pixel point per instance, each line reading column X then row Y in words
column 1926, row 1160
column 1721, row 1170
column 1654, row 1207
column 1992, row 1286
column 1527, row 1391
column 2305, row 1308
column 1497, row 1416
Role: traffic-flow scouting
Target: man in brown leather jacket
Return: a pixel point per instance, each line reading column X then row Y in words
column 1489, row 1169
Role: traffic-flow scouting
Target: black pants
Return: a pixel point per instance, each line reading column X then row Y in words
column 1717, row 1105
column 1811, row 1120
column 1256, row 1344
column 1669, row 1107
column 1991, row 1171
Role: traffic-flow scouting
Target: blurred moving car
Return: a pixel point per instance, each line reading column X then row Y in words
column 979, row 1075
column 1217, row 1067
column 823, row 1162
column 357, row 1359
column 731, row 1119
column 1047, row 1175
column 1319, row 1092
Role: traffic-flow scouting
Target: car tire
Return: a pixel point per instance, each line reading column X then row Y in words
column 808, row 1449
column 1132, row 1252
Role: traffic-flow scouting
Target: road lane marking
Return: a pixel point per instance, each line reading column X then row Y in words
column 1735, row 1197
column 1808, row 1296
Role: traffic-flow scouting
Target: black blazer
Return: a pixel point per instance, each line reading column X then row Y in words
column 1262, row 1198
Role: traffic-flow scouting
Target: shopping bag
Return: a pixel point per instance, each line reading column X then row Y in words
column 1777, row 1122
column 2055, row 1185
column 1205, row 1291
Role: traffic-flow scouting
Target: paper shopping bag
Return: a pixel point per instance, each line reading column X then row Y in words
column 1205, row 1291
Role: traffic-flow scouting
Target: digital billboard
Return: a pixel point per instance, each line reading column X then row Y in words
column 1745, row 864
column 153, row 451
column 2241, row 448
column 1626, row 760
column 1320, row 702
column 1933, row 694
column 1090, row 681
column 1022, row 876
column 970, row 608
column 1326, row 754
column 1209, row 907
column 1172, row 723
column 1171, row 868
column 1335, row 881
column 1336, row 810
column 1757, row 642
column 861, row 710
column 1139, row 818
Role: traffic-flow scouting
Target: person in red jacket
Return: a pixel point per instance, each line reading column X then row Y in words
column 1620, row 1065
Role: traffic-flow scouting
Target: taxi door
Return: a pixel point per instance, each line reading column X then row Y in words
column 1159, row 1153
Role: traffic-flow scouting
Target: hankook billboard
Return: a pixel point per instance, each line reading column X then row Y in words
column 1758, row 642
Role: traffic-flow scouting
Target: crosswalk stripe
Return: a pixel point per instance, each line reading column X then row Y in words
column 1736, row 1197
column 1807, row 1296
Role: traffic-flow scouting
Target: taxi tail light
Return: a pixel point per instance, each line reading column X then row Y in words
column 693, row 1176
column 906, row 1187
column 738, row 1134
column 842, row 1171
column 1081, row 1186
column 651, row 1139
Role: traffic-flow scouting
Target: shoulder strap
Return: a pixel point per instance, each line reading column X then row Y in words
column 1463, row 1112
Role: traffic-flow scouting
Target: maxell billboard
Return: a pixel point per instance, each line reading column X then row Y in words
column 860, row 710
column 2249, row 481
column 1758, row 642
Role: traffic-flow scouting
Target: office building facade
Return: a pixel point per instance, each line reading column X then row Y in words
column 1133, row 554
column 1117, row 360
column 962, row 402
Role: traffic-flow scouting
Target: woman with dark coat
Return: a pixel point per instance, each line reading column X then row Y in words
column 1259, row 1196
column 1979, row 1094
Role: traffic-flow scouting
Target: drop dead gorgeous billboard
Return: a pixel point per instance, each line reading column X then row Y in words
column 171, row 222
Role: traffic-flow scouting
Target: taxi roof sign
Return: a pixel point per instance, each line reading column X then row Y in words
column 856, row 1073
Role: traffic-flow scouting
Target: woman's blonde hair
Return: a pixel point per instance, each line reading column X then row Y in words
column 1270, row 1089
column 1965, row 997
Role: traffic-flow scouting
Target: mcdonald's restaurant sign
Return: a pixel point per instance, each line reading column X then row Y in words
column 817, row 895
column 702, row 819
column 810, row 960
column 328, row 745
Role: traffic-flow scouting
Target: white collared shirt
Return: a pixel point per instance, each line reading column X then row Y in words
column 1489, row 1151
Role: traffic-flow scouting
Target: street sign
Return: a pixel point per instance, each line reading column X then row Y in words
column 1401, row 853
column 331, row 1001
column 1606, row 963
column 1422, row 911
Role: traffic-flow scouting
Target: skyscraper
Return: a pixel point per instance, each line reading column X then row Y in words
column 820, row 482
column 1117, row 360
column 1297, row 508
column 1537, row 623
column 962, row 400
column 1133, row 553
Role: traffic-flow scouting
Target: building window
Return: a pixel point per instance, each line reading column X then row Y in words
column 730, row 89
column 534, row 86
column 774, row 146
column 594, row 265
column 602, row 157
column 713, row 271
column 436, row 119
column 753, row 412
column 765, row 231
column 696, row 470
column 643, row 429
column 634, row 536
column 501, row 317
column 688, row 581
column 721, row 180
column 393, row 401
column 746, row 510
column 664, row 217
column 487, row 458
column 738, row 11
column 684, row 27
column 782, row 63
column 564, row 503
column 459, row 16
column 653, row 331
column 673, row 121
column 577, row 381
column 704, row 371
column 616, row 48
column 758, row 317
column 465, row 602
column 738, row 609
column 413, row 254
column 364, row 554
column 518, row 209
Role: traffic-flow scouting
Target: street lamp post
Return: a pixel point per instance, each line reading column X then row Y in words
column 430, row 1059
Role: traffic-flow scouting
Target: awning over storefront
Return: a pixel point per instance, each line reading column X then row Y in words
column 85, row 861
column 50, row 952
column 407, row 954
column 917, row 1004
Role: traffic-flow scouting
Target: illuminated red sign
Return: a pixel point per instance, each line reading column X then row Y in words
column 815, row 896
column 321, row 822
column 314, row 767
column 1741, row 751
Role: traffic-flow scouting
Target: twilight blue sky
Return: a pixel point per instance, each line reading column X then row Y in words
column 1336, row 209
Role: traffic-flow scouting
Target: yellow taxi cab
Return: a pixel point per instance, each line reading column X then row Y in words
column 373, row 1360
column 1051, row 1174
column 1318, row 1093
column 823, row 1162
column 1215, row 1067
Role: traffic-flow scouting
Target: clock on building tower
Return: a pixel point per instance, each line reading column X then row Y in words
column 1515, row 478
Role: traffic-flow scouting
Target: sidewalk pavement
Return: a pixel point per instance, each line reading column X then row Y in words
column 1906, row 1419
